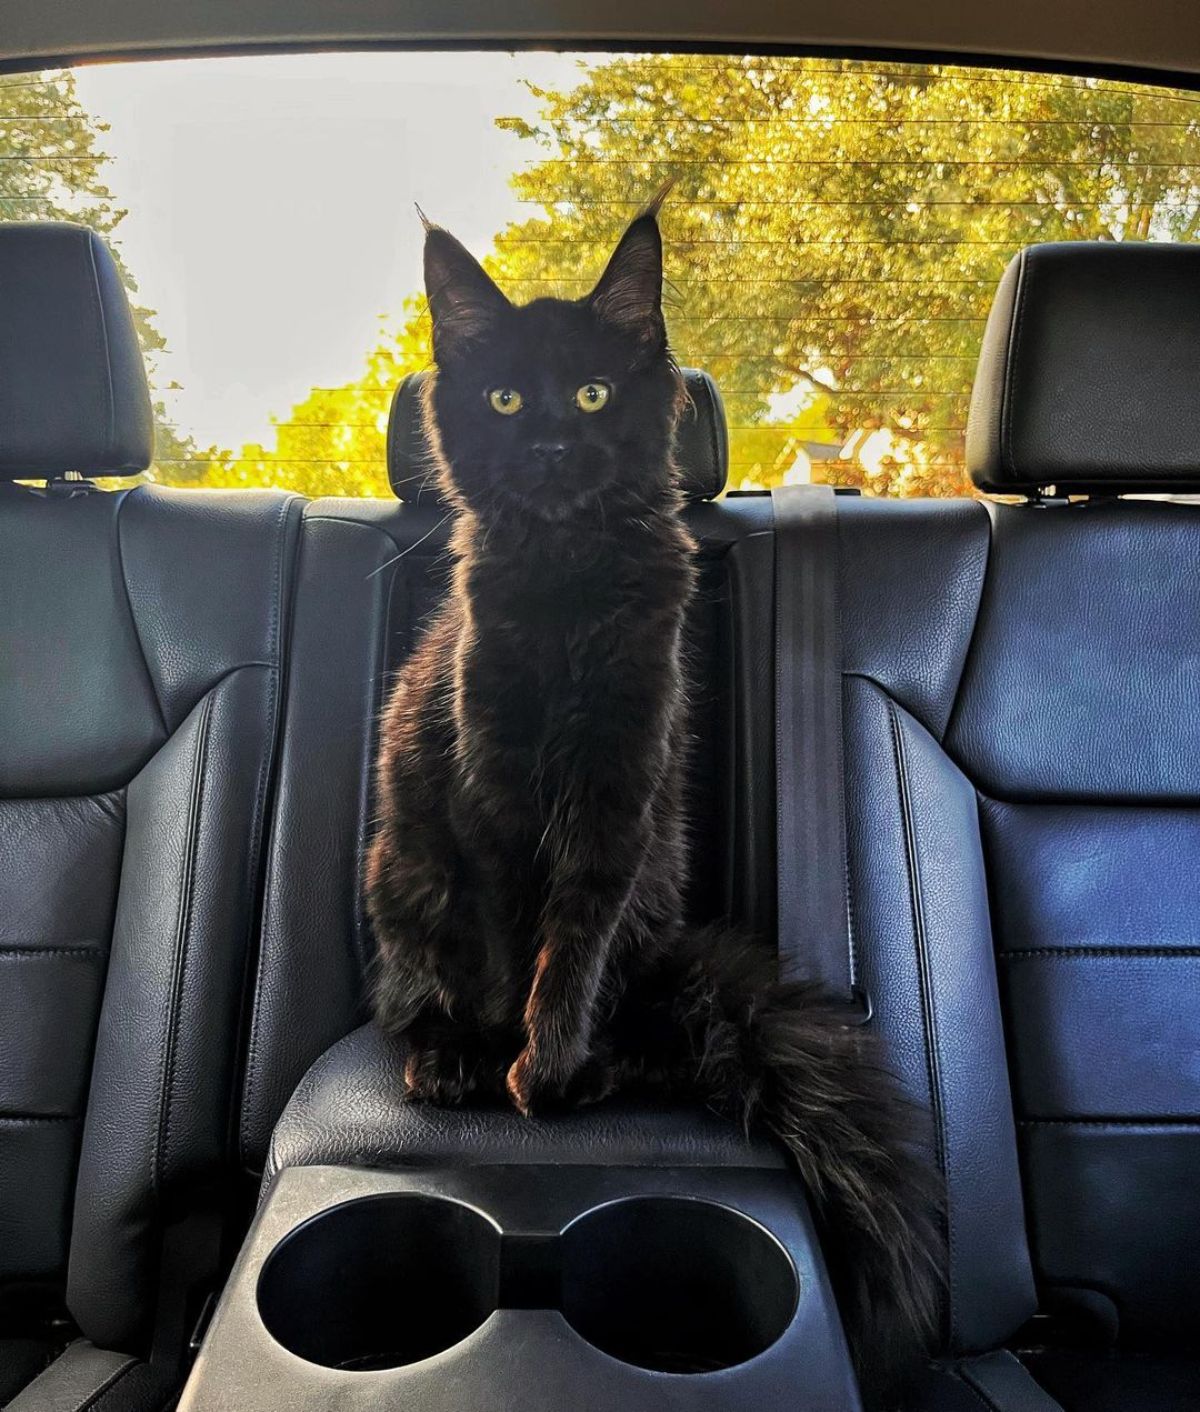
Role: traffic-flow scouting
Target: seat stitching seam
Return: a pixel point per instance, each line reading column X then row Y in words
column 169, row 1048
column 972, row 639
column 273, row 749
column 137, row 632
column 83, row 951
column 23, row 1120
column 928, row 1011
column 851, row 915
column 840, row 761
column 1084, row 953
column 1116, row 1123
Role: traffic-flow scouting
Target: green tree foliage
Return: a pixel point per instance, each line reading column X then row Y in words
column 834, row 239
column 52, row 168
column 839, row 227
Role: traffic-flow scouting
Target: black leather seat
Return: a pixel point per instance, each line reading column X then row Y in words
column 141, row 647
column 1022, row 735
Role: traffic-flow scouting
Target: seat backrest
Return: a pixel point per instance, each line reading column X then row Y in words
column 370, row 574
column 1022, row 717
column 141, row 649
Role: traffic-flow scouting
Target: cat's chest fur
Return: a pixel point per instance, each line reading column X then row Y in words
column 545, row 640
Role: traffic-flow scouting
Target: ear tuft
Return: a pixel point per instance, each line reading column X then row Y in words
column 655, row 204
column 464, row 301
column 628, row 295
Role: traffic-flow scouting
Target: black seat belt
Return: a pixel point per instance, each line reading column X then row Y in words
column 810, row 815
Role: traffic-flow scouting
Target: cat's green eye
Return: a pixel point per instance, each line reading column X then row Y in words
column 592, row 396
column 505, row 400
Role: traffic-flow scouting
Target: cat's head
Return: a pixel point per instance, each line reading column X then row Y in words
column 545, row 409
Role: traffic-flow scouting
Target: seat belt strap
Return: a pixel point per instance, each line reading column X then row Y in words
column 814, row 937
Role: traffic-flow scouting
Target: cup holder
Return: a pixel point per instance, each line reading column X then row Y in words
column 381, row 1282
column 676, row 1285
column 665, row 1283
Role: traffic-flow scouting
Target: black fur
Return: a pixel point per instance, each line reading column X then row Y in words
column 525, row 880
column 781, row 1055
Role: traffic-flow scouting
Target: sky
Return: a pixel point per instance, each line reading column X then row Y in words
column 271, row 206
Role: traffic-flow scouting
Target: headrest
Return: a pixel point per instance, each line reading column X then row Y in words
column 73, row 394
column 701, row 444
column 1089, row 376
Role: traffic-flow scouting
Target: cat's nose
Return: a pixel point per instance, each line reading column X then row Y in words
column 549, row 453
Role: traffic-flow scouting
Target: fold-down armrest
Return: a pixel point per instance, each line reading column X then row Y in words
column 349, row 1110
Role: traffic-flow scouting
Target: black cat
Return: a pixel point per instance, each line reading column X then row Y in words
column 525, row 879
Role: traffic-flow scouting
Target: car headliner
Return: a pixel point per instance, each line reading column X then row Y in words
column 1160, row 36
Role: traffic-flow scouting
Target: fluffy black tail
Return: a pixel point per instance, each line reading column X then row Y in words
column 779, row 1055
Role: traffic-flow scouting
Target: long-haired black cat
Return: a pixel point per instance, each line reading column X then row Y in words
column 525, row 880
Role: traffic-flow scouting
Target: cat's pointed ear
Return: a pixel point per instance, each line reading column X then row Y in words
column 628, row 296
column 464, row 301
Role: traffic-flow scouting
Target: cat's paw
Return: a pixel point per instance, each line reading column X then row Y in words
column 449, row 1069
column 521, row 1083
column 434, row 1075
column 535, row 1085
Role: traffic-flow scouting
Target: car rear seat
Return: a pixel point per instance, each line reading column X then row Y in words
column 1020, row 734
column 141, row 652
column 1022, row 750
column 369, row 575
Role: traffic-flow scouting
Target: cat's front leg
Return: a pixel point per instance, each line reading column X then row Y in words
column 409, row 890
column 431, row 981
column 613, row 751
column 588, row 896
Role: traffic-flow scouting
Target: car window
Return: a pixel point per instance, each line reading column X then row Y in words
column 834, row 236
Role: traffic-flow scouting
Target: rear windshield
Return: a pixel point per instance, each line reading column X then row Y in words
column 835, row 233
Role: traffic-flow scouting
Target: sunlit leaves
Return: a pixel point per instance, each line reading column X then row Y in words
column 841, row 226
column 833, row 241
